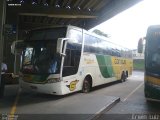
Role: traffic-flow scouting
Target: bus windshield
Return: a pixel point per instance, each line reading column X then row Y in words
column 153, row 53
column 40, row 57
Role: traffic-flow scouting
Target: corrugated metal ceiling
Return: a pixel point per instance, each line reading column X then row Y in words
column 82, row 13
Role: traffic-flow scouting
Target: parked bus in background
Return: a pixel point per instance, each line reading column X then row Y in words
column 62, row 60
column 152, row 63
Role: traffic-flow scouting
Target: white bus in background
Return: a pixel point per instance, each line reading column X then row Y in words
column 62, row 60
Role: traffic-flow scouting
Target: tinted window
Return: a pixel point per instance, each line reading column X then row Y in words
column 72, row 59
column 99, row 46
column 90, row 43
column 75, row 35
column 40, row 57
column 47, row 34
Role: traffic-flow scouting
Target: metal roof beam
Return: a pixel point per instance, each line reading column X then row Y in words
column 29, row 25
column 50, row 12
column 58, row 15
column 51, row 2
column 76, row 3
column 89, row 4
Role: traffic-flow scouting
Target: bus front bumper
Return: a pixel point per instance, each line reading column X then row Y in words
column 48, row 88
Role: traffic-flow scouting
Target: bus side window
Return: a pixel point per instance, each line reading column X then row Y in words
column 67, row 60
column 76, row 58
column 72, row 59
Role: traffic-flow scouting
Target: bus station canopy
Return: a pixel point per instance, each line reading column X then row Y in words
column 82, row 13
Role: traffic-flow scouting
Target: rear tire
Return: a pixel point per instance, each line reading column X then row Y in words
column 123, row 77
column 126, row 74
column 86, row 86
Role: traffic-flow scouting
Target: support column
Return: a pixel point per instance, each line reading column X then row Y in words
column 2, row 22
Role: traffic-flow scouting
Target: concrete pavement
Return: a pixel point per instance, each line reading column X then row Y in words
column 79, row 106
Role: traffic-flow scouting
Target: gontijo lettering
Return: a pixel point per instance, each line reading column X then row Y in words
column 119, row 61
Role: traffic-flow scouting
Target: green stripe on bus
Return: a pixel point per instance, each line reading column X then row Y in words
column 105, row 65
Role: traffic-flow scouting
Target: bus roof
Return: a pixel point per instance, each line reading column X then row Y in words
column 154, row 26
column 80, row 29
column 57, row 26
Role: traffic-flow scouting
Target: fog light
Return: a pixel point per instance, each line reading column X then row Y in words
column 53, row 80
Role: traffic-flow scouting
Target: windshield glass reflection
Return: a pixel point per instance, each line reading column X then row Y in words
column 153, row 55
column 40, row 57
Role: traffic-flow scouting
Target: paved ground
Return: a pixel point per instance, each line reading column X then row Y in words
column 134, row 106
column 82, row 106
column 28, row 106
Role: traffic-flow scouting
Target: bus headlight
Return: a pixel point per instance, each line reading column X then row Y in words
column 53, row 80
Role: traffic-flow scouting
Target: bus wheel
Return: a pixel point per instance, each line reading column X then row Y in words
column 126, row 74
column 123, row 77
column 86, row 86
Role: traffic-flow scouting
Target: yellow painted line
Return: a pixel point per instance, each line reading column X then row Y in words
column 132, row 92
column 14, row 106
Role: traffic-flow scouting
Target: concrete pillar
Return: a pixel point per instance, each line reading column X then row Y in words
column 2, row 22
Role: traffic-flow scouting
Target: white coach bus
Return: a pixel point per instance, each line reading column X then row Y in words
column 62, row 60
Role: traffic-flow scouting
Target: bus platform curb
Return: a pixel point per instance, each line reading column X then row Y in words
column 104, row 109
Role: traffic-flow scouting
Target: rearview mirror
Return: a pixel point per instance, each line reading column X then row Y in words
column 140, row 45
column 61, row 46
column 17, row 47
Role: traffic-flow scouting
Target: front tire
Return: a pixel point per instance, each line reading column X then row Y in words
column 86, row 86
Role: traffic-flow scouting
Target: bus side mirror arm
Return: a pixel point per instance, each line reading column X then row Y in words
column 140, row 45
column 13, row 46
column 61, row 46
column 62, row 54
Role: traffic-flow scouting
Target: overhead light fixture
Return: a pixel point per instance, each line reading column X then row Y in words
column 68, row 7
column 79, row 8
column 34, row 3
column 45, row 4
column 21, row 1
column 57, row 6
column 89, row 9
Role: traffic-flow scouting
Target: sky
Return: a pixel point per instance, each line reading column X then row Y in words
column 129, row 26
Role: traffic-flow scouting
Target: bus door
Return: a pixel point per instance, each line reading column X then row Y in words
column 71, row 65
